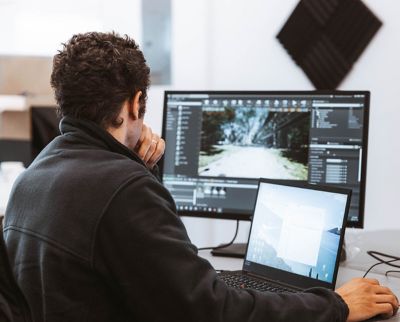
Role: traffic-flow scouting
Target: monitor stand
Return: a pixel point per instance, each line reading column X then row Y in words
column 237, row 250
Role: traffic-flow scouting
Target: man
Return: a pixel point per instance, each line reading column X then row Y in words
column 94, row 236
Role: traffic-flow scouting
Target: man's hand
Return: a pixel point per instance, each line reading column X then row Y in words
column 150, row 147
column 366, row 298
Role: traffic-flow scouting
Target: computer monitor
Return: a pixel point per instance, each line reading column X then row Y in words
column 219, row 143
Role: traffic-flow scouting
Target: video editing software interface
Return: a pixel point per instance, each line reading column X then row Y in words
column 218, row 144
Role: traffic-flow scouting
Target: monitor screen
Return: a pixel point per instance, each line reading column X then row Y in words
column 219, row 143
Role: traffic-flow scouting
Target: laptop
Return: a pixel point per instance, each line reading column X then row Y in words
column 295, row 239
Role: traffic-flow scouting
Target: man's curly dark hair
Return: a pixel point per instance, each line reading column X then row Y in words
column 95, row 73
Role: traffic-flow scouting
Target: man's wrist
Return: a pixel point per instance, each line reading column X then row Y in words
column 344, row 307
column 156, row 172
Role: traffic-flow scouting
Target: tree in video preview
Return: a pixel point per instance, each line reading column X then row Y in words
column 252, row 142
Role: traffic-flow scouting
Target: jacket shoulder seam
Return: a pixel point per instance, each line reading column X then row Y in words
column 47, row 240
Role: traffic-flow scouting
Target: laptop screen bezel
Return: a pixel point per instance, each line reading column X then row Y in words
column 288, row 278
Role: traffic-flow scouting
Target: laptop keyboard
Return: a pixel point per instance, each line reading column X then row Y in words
column 244, row 281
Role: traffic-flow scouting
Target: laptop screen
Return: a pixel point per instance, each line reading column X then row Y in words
column 297, row 230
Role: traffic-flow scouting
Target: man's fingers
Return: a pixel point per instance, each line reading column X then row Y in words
column 158, row 153
column 145, row 129
column 143, row 149
column 391, row 299
column 145, row 143
column 152, row 164
column 371, row 281
column 384, row 294
column 383, row 298
column 152, row 149
column 385, row 309
column 378, row 289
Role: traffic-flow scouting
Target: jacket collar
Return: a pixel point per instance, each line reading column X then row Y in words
column 97, row 136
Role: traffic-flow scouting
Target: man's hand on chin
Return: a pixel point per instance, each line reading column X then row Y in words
column 150, row 147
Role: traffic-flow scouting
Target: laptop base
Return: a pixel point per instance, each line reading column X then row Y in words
column 237, row 250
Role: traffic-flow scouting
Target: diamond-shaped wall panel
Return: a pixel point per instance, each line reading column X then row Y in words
column 325, row 38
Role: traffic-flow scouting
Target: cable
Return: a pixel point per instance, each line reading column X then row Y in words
column 378, row 256
column 393, row 271
column 224, row 245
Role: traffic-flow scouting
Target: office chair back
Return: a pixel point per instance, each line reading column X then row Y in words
column 13, row 305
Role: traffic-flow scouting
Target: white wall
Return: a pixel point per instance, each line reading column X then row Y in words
column 378, row 70
column 39, row 27
column 231, row 44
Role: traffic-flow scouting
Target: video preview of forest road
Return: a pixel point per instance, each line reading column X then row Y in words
column 251, row 142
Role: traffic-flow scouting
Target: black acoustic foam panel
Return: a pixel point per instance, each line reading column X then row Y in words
column 326, row 37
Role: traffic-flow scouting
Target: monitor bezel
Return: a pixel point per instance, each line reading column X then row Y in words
column 248, row 216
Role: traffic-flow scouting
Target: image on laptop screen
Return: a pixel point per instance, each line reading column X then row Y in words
column 297, row 230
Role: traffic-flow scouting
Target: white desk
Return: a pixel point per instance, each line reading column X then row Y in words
column 9, row 171
column 345, row 274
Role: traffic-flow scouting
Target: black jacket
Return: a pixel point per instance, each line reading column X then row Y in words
column 13, row 305
column 94, row 236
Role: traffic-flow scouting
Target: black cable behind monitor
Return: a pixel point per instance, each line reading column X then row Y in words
column 230, row 249
column 223, row 245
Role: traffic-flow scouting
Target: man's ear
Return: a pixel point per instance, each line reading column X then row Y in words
column 134, row 106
